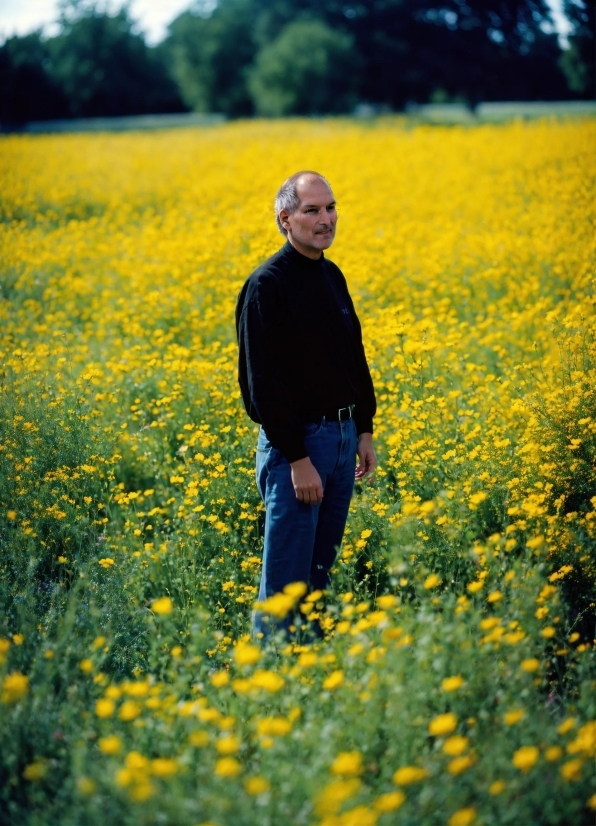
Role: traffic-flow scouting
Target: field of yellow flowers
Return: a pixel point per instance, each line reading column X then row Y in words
column 456, row 684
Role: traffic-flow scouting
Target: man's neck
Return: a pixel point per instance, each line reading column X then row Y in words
column 308, row 252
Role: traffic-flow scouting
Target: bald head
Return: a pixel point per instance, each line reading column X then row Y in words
column 289, row 194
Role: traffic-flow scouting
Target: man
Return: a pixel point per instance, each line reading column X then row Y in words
column 305, row 380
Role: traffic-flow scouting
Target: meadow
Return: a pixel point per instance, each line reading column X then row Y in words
column 456, row 683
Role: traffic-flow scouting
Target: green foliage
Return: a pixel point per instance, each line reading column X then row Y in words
column 28, row 90
column 309, row 69
column 208, row 57
column 104, row 68
column 578, row 60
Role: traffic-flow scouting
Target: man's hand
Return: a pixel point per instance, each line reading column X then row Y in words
column 307, row 482
column 367, row 459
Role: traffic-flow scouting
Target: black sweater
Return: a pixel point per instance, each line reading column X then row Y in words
column 301, row 353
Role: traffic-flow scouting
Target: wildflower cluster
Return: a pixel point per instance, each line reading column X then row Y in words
column 455, row 679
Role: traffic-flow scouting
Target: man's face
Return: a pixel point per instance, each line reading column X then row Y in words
column 311, row 228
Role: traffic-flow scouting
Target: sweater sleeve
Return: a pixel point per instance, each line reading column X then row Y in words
column 366, row 402
column 262, row 350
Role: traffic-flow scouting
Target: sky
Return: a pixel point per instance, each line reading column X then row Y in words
column 23, row 16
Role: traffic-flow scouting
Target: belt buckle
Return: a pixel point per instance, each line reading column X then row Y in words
column 339, row 412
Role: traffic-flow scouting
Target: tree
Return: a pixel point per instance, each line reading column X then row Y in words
column 308, row 69
column 471, row 49
column 578, row 61
column 27, row 90
column 209, row 54
column 104, row 68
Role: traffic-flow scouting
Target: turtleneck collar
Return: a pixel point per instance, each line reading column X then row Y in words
column 304, row 260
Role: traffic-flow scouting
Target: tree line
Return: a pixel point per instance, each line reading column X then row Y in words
column 277, row 57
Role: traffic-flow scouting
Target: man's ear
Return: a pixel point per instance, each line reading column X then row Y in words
column 283, row 217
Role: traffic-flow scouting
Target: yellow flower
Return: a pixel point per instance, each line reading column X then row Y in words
column 477, row 498
column 452, row 683
column 268, row 680
column 256, row 785
column 86, row 666
column 296, row 589
column 227, row 767
column 473, row 587
column 135, row 760
column 163, row 605
column 199, row 739
column 227, row 745
column 246, row 654
column 591, row 802
column 463, row 817
column 530, row 665
column 4, row 646
column 389, row 802
column 163, row 767
column 525, row 757
column 110, row 745
column 279, row 605
column 585, row 740
column 104, row 707
column 36, row 770
column 347, row 763
column 129, row 710
column 496, row 788
column 273, row 726
column 431, row 581
column 409, row 774
column 359, row 816
column 566, row 725
column 106, row 562
column 219, row 679
column 330, row 798
column 548, row 632
column 142, row 791
column 18, row 639
column 307, row 658
column 123, row 777
column 334, row 680
column 489, row 622
column 442, row 724
column 494, row 596
column 571, row 770
column 513, row 717
column 460, row 764
column 241, row 686
column 11, row 516
column 455, row 745
column 14, row 687
column 553, row 753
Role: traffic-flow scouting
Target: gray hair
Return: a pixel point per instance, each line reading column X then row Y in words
column 287, row 196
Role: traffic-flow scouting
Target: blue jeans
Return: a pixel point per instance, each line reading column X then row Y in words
column 301, row 541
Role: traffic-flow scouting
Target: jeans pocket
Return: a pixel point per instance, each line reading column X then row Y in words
column 313, row 428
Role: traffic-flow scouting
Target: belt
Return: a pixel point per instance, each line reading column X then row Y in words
column 340, row 414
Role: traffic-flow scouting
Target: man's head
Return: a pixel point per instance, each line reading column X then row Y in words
column 305, row 212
